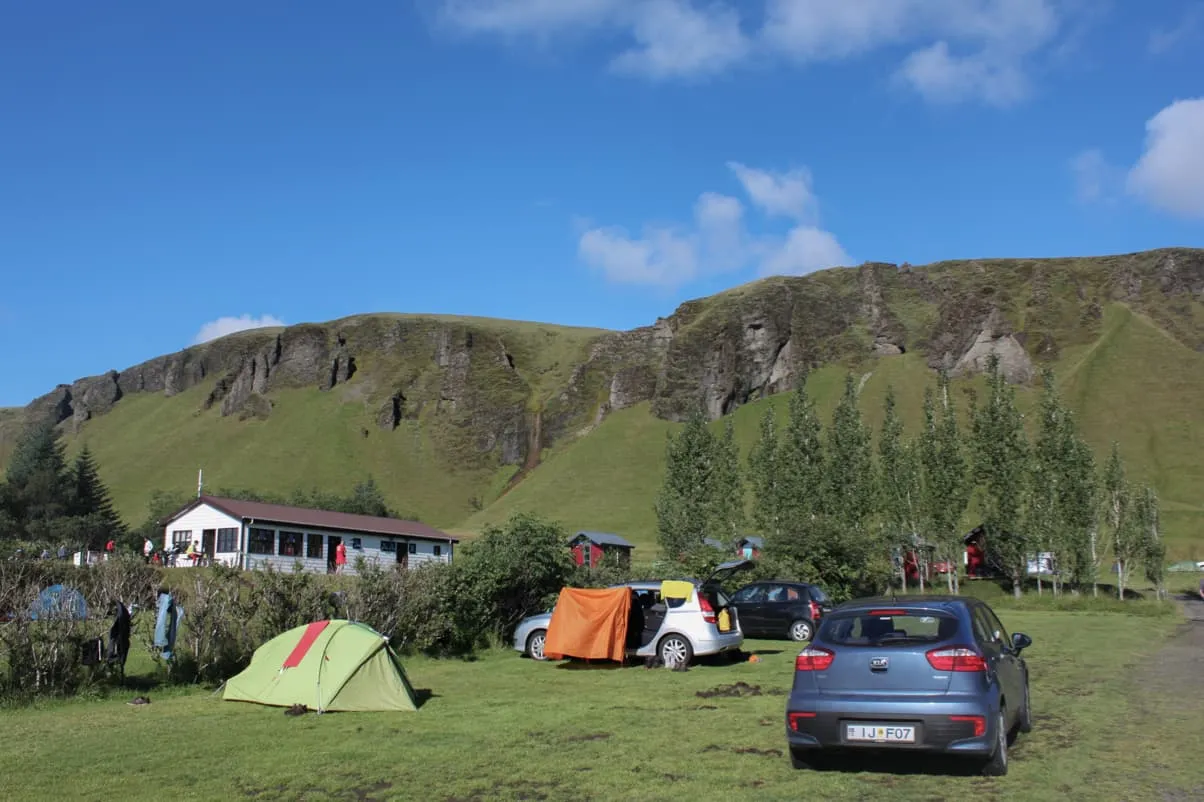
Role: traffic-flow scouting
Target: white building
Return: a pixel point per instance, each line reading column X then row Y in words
column 251, row 534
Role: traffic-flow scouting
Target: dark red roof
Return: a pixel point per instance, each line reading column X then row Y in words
column 323, row 519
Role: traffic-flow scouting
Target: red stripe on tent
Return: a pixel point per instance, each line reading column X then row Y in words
column 307, row 640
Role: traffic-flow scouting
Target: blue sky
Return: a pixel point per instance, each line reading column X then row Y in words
column 167, row 169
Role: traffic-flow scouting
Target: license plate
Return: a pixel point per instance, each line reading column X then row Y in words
column 880, row 733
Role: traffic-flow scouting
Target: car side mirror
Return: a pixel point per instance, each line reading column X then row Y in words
column 1021, row 641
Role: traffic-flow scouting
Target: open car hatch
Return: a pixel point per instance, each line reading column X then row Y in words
column 725, row 571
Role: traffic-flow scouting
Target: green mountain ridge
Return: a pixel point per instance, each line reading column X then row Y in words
column 463, row 420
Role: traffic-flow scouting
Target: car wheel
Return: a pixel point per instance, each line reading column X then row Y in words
column 535, row 642
column 997, row 764
column 801, row 630
column 1025, row 722
column 675, row 650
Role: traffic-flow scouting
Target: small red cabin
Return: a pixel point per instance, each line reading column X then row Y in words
column 590, row 548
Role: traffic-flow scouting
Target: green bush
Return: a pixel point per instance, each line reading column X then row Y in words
column 45, row 657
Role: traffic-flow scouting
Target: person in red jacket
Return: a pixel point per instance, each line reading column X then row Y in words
column 340, row 557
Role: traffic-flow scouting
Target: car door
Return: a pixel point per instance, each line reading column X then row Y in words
column 784, row 604
column 750, row 607
column 1000, row 659
column 1011, row 664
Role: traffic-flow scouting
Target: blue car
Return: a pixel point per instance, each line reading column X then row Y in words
column 932, row 674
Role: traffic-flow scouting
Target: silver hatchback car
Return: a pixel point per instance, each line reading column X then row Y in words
column 675, row 632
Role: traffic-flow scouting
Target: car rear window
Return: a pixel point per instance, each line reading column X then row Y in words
column 886, row 627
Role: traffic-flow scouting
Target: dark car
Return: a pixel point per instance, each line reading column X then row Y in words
column 927, row 673
column 780, row 609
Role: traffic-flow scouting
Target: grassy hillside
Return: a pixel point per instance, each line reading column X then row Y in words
column 465, row 420
column 1118, row 384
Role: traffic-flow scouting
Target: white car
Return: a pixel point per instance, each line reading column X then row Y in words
column 676, row 632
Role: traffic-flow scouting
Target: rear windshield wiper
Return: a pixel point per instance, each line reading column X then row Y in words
column 905, row 639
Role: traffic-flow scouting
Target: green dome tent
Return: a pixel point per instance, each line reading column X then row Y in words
column 327, row 666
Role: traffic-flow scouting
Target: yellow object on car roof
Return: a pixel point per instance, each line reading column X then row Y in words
column 676, row 589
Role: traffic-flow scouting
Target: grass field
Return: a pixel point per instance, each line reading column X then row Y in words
column 503, row 727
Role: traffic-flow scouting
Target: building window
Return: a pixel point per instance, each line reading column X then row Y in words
column 388, row 547
column 290, row 544
column 181, row 536
column 313, row 546
column 227, row 540
column 413, row 548
column 438, row 551
column 260, row 541
column 587, row 554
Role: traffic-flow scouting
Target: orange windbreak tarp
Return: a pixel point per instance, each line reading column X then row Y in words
column 589, row 624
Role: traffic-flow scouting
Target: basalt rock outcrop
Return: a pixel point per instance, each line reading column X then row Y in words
column 488, row 392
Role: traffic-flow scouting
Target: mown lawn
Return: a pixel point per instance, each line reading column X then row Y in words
column 503, row 727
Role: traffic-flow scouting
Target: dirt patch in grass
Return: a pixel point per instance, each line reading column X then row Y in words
column 738, row 689
column 592, row 736
column 744, row 750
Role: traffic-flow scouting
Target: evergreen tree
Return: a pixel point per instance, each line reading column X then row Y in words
column 683, row 507
column 1044, row 521
column 802, row 481
column 1001, row 459
column 765, row 476
column 946, row 480
column 37, row 484
column 726, row 503
column 850, row 471
column 1080, row 510
column 1153, row 552
column 367, row 499
column 1124, row 528
column 90, row 505
column 900, row 486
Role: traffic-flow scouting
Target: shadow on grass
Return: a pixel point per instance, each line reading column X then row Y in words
column 895, row 763
column 422, row 696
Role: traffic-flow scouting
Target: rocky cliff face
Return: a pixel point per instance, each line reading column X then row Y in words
column 482, row 387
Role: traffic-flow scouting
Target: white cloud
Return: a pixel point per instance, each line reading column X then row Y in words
column 228, row 325
column 805, row 250
column 676, row 39
column 1091, row 173
column 959, row 49
column 942, row 77
column 661, row 256
column 1163, row 40
column 718, row 241
column 786, row 194
column 1170, row 173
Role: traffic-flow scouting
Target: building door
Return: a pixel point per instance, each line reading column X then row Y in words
column 332, row 545
column 403, row 555
column 209, row 542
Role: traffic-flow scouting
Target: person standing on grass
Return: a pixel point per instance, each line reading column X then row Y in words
column 340, row 557
column 147, row 548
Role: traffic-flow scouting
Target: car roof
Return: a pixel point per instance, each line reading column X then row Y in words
column 908, row 601
column 787, row 582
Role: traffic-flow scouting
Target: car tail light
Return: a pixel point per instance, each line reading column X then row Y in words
column 956, row 658
column 708, row 612
column 815, row 611
column 979, row 722
column 813, row 658
column 795, row 718
column 888, row 612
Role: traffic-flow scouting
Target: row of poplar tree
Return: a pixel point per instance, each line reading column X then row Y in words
column 48, row 500
column 836, row 506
